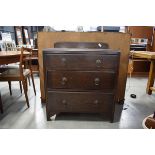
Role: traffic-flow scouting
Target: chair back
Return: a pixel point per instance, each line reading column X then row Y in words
column 25, row 59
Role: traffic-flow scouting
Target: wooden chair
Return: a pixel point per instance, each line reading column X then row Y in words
column 10, row 46
column 22, row 73
column 4, row 68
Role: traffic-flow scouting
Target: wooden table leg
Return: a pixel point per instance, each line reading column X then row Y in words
column 1, row 106
column 150, row 82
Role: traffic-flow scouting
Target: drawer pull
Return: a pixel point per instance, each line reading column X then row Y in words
column 63, row 60
column 97, row 81
column 64, row 102
column 64, row 80
column 98, row 62
column 96, row 102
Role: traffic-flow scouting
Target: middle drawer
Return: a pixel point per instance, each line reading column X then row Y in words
column 87, row 80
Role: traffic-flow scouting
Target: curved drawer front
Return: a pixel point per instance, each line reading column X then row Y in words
column 79, row 101
column 80, row 61
column 86, row 80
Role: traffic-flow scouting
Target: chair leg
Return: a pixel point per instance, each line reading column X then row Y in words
column 33, row 84
column 29, row 81
column 9, row 82
column 20, row 84
column 26, row 85
column 1, row 105
column 25, row 92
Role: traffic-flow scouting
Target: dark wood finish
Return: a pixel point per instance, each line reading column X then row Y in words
column 83, row 102
column 101, row 80
column 115, row 41
column 84, row 86
column 69, row 61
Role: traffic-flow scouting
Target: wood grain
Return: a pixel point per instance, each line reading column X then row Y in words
column 116, row 41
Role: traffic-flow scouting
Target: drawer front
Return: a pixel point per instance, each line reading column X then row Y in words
column 79, row 61
column 79, row 102
column 94, row 80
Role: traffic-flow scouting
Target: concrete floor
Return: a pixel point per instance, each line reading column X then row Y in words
column 16, row 115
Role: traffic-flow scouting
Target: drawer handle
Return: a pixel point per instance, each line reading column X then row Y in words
column 96, row 102
column 63, row 60
column 64, row 80
column 98, row 62
column 64, row 102
column 97, row 81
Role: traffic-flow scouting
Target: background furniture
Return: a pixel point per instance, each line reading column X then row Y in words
column 17, row 74
column 145, row 32
column 141, row 66
column 115, row 41
column 35, row 64
column 81, row 80
column 19, row 35
column 6, row 58
column 149, row 56
column 26, row 36
column 108, row 28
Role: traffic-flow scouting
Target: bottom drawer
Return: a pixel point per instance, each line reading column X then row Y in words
column 59, row 101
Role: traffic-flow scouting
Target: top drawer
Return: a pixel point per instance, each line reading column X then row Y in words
column 80, row 61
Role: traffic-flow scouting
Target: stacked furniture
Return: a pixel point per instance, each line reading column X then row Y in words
column 80, row 80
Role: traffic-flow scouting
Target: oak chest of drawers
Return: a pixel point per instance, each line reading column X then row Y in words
column 80, row 80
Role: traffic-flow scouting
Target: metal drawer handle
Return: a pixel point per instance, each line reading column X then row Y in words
column 63, row 60
column 98, row 62
column 64, row 80
column 96, row 102
column 97, row 81
column 64, row 102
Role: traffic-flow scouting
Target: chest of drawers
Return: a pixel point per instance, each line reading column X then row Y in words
column 80, row 80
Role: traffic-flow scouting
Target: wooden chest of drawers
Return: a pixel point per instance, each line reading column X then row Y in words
column 80, row 80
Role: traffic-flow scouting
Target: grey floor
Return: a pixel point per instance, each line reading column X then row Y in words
column 16, row 115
